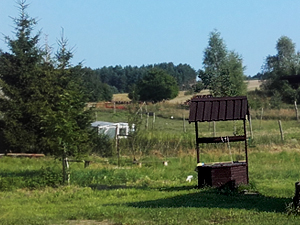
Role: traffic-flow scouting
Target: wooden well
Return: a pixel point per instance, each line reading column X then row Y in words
column 207, row 109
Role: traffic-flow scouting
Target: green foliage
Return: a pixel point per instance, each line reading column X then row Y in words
column 223, row 71
column 156, row 86
column 44, row 100
column 257, row 99
column 94, row 88
column 276, row 101
column 199, row 86
column 133, row 94
column 284, row 63
column 23, row 82
column 33, row 179
column 103, row 145
column 46, row 177
column 123, row 78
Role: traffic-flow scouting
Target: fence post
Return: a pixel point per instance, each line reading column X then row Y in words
column 250, row 124
column 296, row 110
column 261, row 117
column 184, row 129
column 147, row 121
column 281, row 131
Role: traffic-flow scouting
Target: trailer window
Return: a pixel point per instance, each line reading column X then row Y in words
column 122, row 131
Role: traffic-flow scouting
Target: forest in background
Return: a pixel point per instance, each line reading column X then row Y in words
column 102, row 83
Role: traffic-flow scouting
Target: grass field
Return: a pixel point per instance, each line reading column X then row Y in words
column 105, row 193
column 153, row 194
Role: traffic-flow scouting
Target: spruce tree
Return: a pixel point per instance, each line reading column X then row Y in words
column 21, row 74
column 43, row 104
column 66, row 122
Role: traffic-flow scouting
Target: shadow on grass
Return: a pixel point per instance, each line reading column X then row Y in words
column 180, row 188
column 103, row 187
column 25, row 173
column 213, row 199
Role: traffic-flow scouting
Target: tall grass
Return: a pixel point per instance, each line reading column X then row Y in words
column 169, row 137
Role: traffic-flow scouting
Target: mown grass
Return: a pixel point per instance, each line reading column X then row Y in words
column 152, row 194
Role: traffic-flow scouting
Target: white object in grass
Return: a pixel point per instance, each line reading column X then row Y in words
column 189, row 178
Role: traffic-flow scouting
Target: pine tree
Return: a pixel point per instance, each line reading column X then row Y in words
column 21, row 74
column 66, row 122
column 43, row 103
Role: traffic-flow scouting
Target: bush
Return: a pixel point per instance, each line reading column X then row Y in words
column 103, row 145
column 48, row 176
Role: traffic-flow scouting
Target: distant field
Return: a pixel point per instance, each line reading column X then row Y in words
column 252, row 84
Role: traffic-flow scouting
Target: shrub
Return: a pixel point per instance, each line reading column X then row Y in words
column 48, row 176
column 103, row 145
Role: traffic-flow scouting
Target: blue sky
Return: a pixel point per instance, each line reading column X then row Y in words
column 142, row 32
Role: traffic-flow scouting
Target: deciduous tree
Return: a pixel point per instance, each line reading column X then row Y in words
column 284, row 63
column 156, row 86
column 223, row 70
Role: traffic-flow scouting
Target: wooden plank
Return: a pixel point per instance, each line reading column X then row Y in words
column 24, row 155
column 221, row 139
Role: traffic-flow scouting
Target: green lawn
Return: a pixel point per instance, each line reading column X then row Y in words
column 152, row 194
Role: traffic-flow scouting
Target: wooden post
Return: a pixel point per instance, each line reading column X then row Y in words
column 197, row 144
column 153, row 120
column 296, row 110
column 250, row 125
column 147, row 121
column 86, row 163
column 114, row 107
column 214, row 123
column 118, row 151
column 184, row 129
column 246, row 151
column 261, row 117
column 116, row 135
column 281, row 131
column 234, row 128
column 64, row 165
column 68, row 171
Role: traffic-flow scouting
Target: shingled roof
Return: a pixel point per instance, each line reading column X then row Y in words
column 218, row 109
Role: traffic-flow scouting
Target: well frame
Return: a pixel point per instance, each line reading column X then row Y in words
column 208, row 109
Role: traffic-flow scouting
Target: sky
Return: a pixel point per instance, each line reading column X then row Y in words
column 142, row 32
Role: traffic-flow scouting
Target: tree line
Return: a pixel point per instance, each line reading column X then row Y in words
column 101, row 83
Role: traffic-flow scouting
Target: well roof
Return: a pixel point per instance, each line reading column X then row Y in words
column 218, row 109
